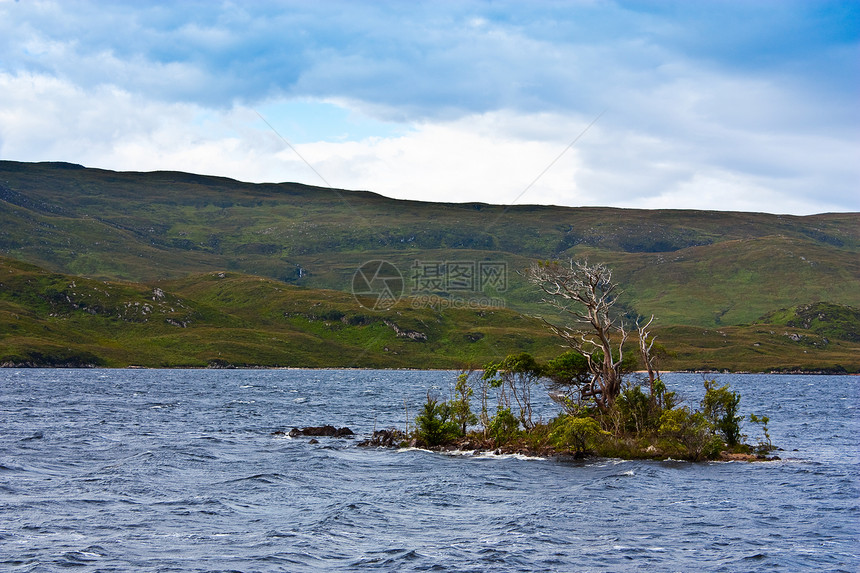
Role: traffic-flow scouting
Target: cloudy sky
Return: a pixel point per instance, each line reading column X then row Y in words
column 747, row 105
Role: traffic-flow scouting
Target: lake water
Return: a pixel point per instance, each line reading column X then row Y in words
column 178, row 470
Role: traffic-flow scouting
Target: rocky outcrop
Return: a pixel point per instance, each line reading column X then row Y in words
column 390, row 438
column 406, row 333
column 741, row 457
column 320, row 431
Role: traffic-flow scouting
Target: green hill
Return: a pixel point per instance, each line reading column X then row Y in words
column 224, row 318
column 830, row 321
column 703, row 271
column 687, row 267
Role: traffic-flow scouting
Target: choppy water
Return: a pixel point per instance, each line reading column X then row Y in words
column 178, row 470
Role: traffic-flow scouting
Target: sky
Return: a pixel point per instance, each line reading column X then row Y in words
column 729, row 105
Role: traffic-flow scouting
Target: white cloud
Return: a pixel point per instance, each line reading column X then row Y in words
column 46, row 119
column 476, row 102
column 490, row 157
column 726, row 191
column 476, row 158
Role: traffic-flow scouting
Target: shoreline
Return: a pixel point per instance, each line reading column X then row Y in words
column 550, row 453
column 473, row 445
column 366, row 369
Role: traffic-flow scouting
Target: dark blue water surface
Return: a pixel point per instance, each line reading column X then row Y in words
column 178, row 470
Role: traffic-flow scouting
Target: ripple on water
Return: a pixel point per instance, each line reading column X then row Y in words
column 178, row 471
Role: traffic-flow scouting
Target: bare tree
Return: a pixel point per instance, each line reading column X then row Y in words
column 587, row 293
column 646, row 345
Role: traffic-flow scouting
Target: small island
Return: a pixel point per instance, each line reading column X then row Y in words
column 613, row 402
column 637, row 425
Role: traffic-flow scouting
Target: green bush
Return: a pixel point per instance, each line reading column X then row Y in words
column 577, row 434
column 720, row 407
column 637, row 411
column 764, row 444
column 434, row 426
column 665, row 400
column 459, row 405
column 566, row 375
column 503, row 427
column 689, row 434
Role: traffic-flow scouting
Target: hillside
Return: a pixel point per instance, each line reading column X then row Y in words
column 219, row 319
column 691, row 268
column 223, row 318
column 262, row 274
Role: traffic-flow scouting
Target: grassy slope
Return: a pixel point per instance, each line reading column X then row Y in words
column 705, row 275
column 227, row 318
column 224, row 318
column 691, row 268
